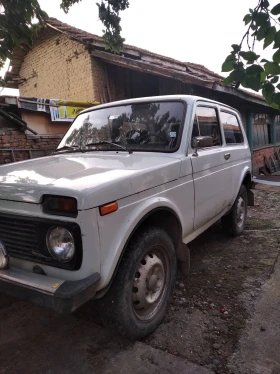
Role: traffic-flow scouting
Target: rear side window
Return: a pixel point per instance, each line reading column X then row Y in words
column 232, row 130
column 206, row 124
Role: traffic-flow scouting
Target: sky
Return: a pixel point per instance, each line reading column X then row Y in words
column 199, row 31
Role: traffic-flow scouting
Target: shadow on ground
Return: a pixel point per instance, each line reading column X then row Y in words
column 225, row 273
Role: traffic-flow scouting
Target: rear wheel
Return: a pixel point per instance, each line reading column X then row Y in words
column 234, row 222
column 141, row 291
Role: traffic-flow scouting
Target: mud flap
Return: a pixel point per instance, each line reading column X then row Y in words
column 251, row 198
column 183, row 256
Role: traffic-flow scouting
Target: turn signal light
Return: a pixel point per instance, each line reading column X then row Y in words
column 108, row 208
column 60, row 205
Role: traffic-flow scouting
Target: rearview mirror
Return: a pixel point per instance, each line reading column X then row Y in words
column 201, row 142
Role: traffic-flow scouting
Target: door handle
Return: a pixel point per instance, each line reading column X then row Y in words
column 227, row 156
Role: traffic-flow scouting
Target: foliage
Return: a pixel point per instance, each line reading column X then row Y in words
column 245, row 66
column 109, row 16
column 17, row 27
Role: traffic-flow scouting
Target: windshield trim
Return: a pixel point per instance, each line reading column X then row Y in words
column 156, row 150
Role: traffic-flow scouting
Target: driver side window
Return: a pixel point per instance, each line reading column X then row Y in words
column 206, row 124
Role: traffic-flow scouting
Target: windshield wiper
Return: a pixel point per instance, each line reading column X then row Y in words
column 68, row 148
column 110, row 143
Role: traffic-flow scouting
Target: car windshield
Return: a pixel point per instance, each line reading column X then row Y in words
column 153, row 126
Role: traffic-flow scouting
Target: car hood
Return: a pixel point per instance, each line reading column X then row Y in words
column 93, row 179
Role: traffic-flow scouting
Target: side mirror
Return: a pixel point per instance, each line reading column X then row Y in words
column 201, row 142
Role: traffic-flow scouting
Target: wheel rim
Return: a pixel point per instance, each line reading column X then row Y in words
column 149, row 287
column 240, row 211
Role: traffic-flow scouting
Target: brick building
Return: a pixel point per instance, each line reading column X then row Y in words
column 31, row 127
column 73, row 64
column 17, row 140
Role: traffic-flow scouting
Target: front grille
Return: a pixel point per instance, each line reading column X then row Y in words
column 19, row 236
column 25, row 237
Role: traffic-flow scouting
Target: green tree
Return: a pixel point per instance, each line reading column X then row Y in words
column 17, row 23
column 247, row 68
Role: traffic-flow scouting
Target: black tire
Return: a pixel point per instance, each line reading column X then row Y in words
column 119, row 305
column 232, row 223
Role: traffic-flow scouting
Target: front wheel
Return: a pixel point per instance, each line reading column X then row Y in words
column 141, row 291
column 234, row 222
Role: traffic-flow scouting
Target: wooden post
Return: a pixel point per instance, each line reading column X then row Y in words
column 250, row 129
column 273, row 132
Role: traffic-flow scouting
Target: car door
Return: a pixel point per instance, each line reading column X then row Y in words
column 212, row 174
column 236, row 147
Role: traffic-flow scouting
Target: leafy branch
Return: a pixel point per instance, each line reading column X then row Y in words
column 17, row 29
column 244, row 65
column 109, row 16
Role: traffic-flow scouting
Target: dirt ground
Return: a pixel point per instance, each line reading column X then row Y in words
column 226, row 273
column 209, row 312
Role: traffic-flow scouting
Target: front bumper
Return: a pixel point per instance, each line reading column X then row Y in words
column 61, row 296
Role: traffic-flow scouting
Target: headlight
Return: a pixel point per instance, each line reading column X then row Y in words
column 60, row 243
column 4, row 259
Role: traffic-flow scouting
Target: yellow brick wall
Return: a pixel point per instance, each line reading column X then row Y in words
column 58, row 68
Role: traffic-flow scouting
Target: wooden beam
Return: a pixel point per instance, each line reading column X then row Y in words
column 146, row 67
column 91, row 42
column 131, row 52
column 240, row 94
column 165, row 64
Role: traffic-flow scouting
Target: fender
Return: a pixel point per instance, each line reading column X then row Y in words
column 246, row 171
column 141, row 211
